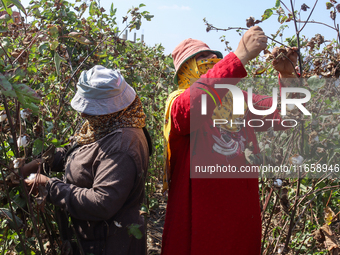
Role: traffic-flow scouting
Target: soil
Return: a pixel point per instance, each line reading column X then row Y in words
column 156, row 223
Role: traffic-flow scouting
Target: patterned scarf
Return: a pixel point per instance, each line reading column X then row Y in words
column 189, row 72
column 96, row 127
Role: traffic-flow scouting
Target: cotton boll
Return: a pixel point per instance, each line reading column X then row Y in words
column 25, row 113
column 278, row 183
column 296, row 160
column 22, row 141
column 280, row 249
column 290, row 107
column 16, row 163
column 118, row 225
column 3, row 117
column 31, row 177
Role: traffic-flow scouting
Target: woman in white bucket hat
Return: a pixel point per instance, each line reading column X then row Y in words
column 105, row 167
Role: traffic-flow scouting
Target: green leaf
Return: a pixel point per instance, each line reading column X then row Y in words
column 55, row 142
column 5, row 214
column 27, row 92
column 19, row 202
column 53, row 31
column 267, row 13
column 329, row 5
column 18, row 4
column 134, row 230
column 113, row 10
column 35, row 109
column 19, row 74
column 93, row 8
column 277, row 4
column 315, row 82
column 141, row 5
column 6, row 43
column 4, row 5
column 36, row 12
column 43, row 46
column 57, row 62
column 54, row 45
column 37, row 147
column 153, row 203
column 79, row 38
column 148, row 17
column 10, row 154
column 6, row 87
column 102, row 54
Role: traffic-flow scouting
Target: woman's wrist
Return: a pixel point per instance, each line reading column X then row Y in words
column 287, row 80
column 287, row 75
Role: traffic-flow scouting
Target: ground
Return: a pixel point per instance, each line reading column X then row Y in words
column 155, row 223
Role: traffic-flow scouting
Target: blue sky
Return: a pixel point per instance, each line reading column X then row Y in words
column 177, row 20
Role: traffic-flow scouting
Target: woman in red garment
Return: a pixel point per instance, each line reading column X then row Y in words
column 212, row 216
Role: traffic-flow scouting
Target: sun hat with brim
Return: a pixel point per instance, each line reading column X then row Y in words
column 102, row 91
column 188, row 49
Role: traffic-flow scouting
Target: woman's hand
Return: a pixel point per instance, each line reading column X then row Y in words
column 285, row 61
column 251, row 44
column 34, row 183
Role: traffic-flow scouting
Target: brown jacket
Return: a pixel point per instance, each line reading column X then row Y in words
column 103, row 183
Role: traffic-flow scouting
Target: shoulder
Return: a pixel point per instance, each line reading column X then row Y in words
column 131, row 141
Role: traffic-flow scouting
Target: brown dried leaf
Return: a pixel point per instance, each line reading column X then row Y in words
column 37, row 128
column 319, row 236
column 338, row 7
column 331, row 240
column 250, row 21
column 284, row 200
column 48, row 156
column 304, row 7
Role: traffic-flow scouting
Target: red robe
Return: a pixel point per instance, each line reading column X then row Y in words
column 210, row 216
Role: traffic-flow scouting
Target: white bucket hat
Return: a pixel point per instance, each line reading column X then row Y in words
column 102, row 91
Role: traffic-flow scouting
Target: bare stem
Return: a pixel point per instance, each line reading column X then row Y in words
column 13, row 214
column 316, row 22
column 241, row 28
column 285, row 6
column 16, row 152
column 29, row 46
column 9, row 59
column 13, row 133
column 291, row 224
column 267, row 226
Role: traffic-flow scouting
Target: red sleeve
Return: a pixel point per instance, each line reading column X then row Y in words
column 229, row 67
